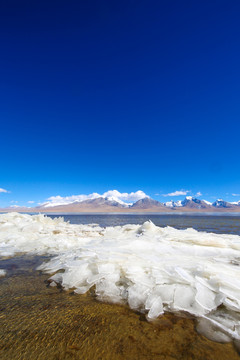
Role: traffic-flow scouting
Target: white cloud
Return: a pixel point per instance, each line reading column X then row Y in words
column 31, row 202
column 124, row 198
column 178, row 193
column 4, row 191
column 198, row 193
column 235, row 194
column 128, row 197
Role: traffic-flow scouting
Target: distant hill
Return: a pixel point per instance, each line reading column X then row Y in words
column 146, row 204
column 100, row 203
column 189, row 202
column 223, row 204
column 194, row 203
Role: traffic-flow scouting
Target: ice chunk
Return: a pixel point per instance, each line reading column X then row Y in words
column 211, row 331
column 205, row 297
column 184, row 298
column 2, row 272
column 152, row 269
column 154, row 305
column 166, row 293
column 137, row 296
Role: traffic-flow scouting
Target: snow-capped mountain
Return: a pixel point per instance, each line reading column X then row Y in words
column 114, row 201
column 193, row 202
column 235, row 202
column 220, row 203
column 190, row 202
column 96, row 203
column 111, row 200
column 57, row 203
column 125, row 199
column 146, row 203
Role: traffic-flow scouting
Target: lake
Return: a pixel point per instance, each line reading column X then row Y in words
column 220, row 224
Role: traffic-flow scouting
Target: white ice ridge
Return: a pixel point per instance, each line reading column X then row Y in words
column 2, row 272
column 153, row 269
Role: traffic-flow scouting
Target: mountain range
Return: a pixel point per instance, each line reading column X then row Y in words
column 146, row 204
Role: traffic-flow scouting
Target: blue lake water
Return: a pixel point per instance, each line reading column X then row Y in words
column 228, row 224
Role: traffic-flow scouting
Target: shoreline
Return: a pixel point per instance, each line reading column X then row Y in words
column 39, row 321
column 179, row 213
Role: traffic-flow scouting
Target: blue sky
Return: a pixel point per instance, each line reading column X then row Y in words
column 119, row 95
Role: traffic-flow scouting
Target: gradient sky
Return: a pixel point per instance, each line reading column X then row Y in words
column 123, row 95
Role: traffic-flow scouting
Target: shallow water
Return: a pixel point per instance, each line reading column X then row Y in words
column 41, row 322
